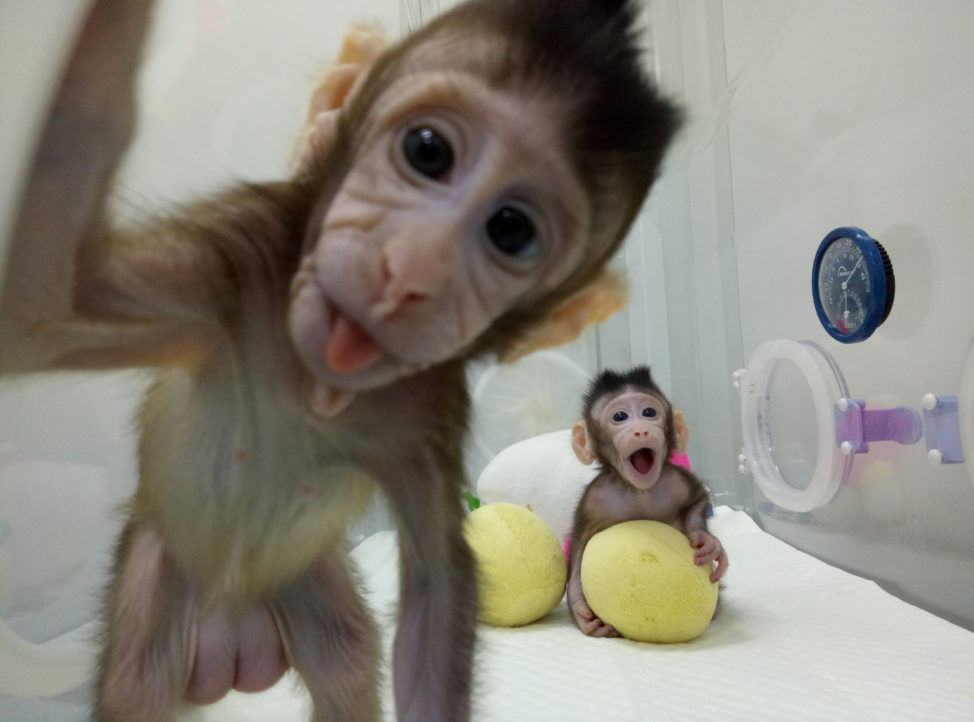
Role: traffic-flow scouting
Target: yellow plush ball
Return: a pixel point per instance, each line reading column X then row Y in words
column 639, row 576
column 520, row 567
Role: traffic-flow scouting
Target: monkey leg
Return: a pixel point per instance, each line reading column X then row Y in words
column 332, row 642
column 438, row 605
column 585, row 618
column 147, row 654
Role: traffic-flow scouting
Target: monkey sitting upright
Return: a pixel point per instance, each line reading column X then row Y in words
column 628, row 427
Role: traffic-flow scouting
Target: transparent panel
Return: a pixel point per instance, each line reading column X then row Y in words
column 791, row 425
column 814, row 116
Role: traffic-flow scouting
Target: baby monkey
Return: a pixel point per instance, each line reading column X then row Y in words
column 630, row 428
column 456, row 196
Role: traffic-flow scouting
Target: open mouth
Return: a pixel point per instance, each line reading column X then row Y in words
column 642, row 460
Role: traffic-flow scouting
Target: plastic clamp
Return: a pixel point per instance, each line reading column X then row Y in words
column 855, row 426
column 941, row 427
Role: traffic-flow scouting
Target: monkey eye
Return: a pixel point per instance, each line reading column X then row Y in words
column 649, row 412
column 427, row 152
column 620, row 416
column 513, row 233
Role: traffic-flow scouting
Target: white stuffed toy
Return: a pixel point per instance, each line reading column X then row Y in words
column 541, row 474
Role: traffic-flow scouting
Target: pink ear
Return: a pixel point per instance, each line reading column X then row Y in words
column 580, row 444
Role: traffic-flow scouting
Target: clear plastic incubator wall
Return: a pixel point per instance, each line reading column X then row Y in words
column 802, row 117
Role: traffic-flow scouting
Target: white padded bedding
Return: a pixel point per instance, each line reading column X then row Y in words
column 795, row 639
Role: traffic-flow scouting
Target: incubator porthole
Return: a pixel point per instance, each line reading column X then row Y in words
column 787, row 398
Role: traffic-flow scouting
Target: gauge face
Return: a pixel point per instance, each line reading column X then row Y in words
column 853, row 285
column 844, row 286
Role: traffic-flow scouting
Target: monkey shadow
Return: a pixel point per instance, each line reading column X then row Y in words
column 727, row 629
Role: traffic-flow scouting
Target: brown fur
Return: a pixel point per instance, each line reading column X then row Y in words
column 245, row 490
column 677, row 497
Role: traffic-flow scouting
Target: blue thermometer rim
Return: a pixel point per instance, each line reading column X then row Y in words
column 876, row 308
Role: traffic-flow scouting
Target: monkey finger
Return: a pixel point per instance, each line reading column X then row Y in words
column 722, row 565
column 705, row 556
column 704, row 544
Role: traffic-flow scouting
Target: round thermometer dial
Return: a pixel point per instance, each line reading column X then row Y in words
column 852, row 284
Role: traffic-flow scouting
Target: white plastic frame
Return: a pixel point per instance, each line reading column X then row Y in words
column 827, row 386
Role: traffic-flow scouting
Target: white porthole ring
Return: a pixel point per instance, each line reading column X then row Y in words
column 827, row 386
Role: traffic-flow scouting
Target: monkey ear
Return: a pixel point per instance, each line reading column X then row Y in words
column 361, row 47
column 580, row 443
column 594, row 303
column 682, row 432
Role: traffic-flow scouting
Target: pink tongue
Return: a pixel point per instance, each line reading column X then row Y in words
column 349, row 348
column 642, row 460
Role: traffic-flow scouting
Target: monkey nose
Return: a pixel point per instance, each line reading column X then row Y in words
column 411, row 273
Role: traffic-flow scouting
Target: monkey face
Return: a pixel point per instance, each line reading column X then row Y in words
column 458, row 206
column 634, row 426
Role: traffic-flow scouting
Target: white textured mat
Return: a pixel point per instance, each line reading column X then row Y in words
column 795, row 639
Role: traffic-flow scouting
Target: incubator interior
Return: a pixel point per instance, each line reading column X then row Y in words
column 801, row 117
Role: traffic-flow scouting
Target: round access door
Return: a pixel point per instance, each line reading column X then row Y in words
column 788, row 393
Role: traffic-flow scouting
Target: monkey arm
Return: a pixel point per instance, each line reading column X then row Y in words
column 75, row 295
column 166, row 295
column 708, row 547
column 79, row 294
column 432, row 656
column 88, row 129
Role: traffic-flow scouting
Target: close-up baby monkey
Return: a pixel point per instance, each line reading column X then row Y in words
column 458, row 194
column 629, row 428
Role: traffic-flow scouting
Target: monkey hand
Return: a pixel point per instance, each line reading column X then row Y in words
column 589, row 622
column 709, row 550
column 361, row 47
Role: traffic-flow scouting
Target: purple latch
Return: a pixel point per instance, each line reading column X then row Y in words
column 942, row 429
column 855, row 427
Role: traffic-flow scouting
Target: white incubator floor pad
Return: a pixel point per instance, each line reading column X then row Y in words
column 794, row 639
